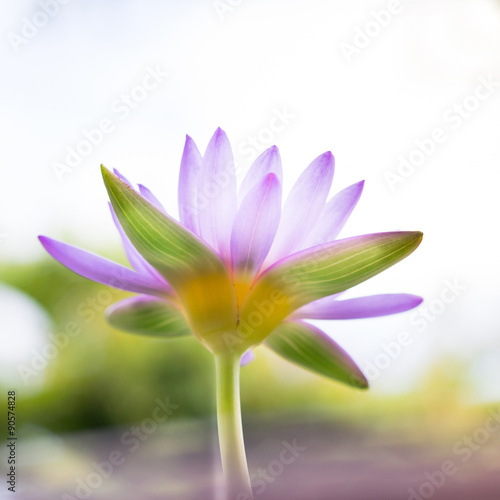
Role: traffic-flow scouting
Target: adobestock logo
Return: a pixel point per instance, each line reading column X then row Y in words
column 453, row 118
column 265, row 137
column 420, row 319
column 267, row 475
column 131, row 439
column 121, row 109
column 30, row 27
column 429, row 311
column 223, row 7
column 466, row 448
column 364, row 36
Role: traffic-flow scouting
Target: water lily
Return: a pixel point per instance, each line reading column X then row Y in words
column 239, row 270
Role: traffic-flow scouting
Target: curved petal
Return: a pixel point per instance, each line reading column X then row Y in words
column 318, row 272
column 303, row 207
column 360, row 307
column 143, row 190
column 312, row 349
column 335, row 215
column 269, row 162
column 146, row 193
column 188, row 186
column 102, row 270
column 194, row 271
column 123, row 178
column 255, row 225
column 217, row 194
column 148, row 316
column 136, row 260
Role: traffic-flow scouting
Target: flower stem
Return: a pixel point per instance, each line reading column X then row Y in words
column 232, row 447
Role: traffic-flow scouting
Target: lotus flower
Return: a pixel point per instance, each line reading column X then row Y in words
column 238, row 270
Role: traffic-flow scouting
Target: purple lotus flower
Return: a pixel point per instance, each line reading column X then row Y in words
column 238, row 269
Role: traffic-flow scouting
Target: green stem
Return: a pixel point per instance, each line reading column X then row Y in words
column 232, row 447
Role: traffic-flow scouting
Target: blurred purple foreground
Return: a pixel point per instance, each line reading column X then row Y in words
column 290, row 460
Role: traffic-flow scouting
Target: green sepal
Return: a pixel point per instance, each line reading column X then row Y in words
column 310, row 348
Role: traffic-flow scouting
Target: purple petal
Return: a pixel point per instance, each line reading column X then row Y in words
column 188, row 186
column 134, row 257
column 123, row 178
column 335, row 215
column 255, row 225
column 143, row 190
column 322, row 271
column 146, row 193
column 102, row 270
column 303, row 207
column 269, row 162
column 361, row 307
column 247, row 358
column 217, row 194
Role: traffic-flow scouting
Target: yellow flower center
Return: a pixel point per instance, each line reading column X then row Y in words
column 231, row 314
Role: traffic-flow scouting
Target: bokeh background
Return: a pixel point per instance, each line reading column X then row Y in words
column 404, row 93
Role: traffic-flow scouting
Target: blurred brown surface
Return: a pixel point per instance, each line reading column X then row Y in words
column 179, row 461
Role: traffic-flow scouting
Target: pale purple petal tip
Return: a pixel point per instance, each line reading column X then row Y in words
column 335, row 215
column 100, row 269
column 269, row 162
column 217, row 203
column 122, row 177
column 303, row 207
column 247, row 358
column 149, row 196
column 362, row 307
column 188, row 186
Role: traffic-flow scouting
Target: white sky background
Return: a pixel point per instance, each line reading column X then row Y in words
column 234, row 73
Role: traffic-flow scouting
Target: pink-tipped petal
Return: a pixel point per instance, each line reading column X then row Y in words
column 269, row 162
column 188, row 186
column 123, row 178
column 303, row 207
column 255, row 225
column 146, row 193
column 102, row 270
column 335, row 215
column 360, row 307
column 217, row 193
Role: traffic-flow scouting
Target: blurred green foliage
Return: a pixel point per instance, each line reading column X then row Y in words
column 103, row 377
